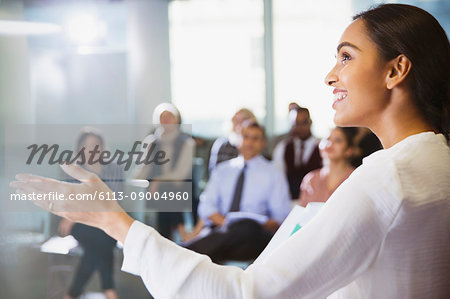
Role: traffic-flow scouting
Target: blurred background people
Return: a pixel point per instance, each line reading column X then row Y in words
column 273, row 141
column 293, row 106
column 366, row 143
column 245, row 201
column 168, row 177
column 98, row 247
column 298, row 154
column 337, row 151
column 226, row 148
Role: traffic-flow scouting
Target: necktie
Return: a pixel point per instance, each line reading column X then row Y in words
column 238, row 191
column 302, row 149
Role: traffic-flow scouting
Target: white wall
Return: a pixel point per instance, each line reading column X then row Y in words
column 148, row 57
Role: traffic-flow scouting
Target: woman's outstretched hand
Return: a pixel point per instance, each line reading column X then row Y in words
column 94, row 210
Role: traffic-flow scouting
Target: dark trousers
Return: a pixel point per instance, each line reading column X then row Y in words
column 168, row 221
column 243, row 240
column 98, row 255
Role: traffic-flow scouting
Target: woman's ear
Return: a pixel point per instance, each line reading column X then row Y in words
column 399, row 68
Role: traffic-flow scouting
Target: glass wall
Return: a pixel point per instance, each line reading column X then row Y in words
column 217, row 62
column 217, row 57
column 305, row 38
column 78, row 75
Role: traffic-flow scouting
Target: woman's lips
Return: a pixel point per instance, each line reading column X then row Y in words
column 339, row 95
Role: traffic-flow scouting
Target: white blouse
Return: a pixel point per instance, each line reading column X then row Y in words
column 384, row 233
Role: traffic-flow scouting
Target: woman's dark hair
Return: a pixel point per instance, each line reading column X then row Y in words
column 404, row 29
column 349, row 133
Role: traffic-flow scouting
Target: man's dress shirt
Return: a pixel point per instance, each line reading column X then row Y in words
column 265, row 190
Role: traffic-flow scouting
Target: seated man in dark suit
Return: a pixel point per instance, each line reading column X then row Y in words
column 298, row 153
column 244, row 203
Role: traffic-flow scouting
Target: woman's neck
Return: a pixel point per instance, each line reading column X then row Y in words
column 400, row 120
column 390, row 135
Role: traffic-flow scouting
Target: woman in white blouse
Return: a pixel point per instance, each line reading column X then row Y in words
column 384, row 233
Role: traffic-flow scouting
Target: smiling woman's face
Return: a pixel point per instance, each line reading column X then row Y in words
column 359, row 78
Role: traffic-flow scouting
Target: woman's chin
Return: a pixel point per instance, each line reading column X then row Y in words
column 338, row 121
column 341, row 120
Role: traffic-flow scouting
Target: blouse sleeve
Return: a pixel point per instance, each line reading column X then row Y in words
column 336, row 246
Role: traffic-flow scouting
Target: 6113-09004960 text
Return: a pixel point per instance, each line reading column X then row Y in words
column 55, row 196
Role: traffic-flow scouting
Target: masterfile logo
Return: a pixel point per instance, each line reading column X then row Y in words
column 141, row 164
column 146, row 155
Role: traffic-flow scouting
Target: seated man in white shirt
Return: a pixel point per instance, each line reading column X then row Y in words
column 244, row 203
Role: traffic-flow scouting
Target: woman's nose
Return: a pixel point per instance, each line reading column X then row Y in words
column 331, row 78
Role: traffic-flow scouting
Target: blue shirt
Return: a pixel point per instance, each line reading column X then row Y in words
column 265, row 191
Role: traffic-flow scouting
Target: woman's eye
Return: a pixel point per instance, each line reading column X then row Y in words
column 345, row 57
